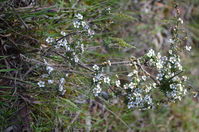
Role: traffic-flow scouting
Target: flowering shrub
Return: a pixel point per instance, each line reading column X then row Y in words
column 74, row 63
column 140, row 89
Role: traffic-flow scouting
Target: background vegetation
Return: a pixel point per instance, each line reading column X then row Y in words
column 122, row 28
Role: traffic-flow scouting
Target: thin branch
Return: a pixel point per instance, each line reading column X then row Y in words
column 112, row 63
column 22, row 21
column 147, row 73
column 74, row 119
column 113, row 113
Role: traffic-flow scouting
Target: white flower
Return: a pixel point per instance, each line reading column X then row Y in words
column 82, row 48
column 67, row 48
column 159, row 65
column 108, row 9
column 62, row 80
column 180, row 87
column 79, row 16
column 62, row 42
column 180, row 20
column 144, row 78
column 172, row 86
column 61, row 84
column 179, row 66
column 49, row 69
column 107, row 80
column 138, row 80
column 154, row 85
column 130, row 74
column 63, row 33
column 49, row 40
column 67, row 75
column 116, row 75
column 50, row 81
column 134, row 72
column 109, row 62
column 95, row 80
column 131, row 85
column 126, row 86
column 63, row 92
column 117, row 83
column 170, row 41
column 158, row 55
column 176, row 78
column 170, row 51
column 76, row 59
column 148, row 88
column 91, row 32
column 184, row 78
column 98, row 77
column 151, row 53
column 97, row 90
column 84, row 25
column 41, row 84
column 172, row 60
column 188, row 48
column 76, row 24
column 61, row 88
column 96, row 67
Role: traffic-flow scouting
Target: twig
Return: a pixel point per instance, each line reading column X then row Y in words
column 74, row 119
column 175, row 75
column 69, row 34
column 114, row 114
column 43, row 64
column 11, row 78
column 147, row 73
column 112, row 63
column 77, row 1
column 80, row 64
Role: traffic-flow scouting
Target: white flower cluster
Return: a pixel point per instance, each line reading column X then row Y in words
column 49, row 68
column 96, row 67
column 168, row 68
column 180, row 20
column 177, row 91
column 99, row 79
column 61, row 83
column 117, row 83
column 151, row 53
column 50, row 40
column 41, row 84
column 138, row 100
column 78, row 22
column 138, row 92
column 63, row 43
column 61, row 86
column 73, row 50
column 188, row 48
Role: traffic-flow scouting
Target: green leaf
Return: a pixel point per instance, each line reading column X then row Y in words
column 121, row 42
column 71, row 104
column 5, row 87
column 7, row 70
column 2, row 0
column 123, row 17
